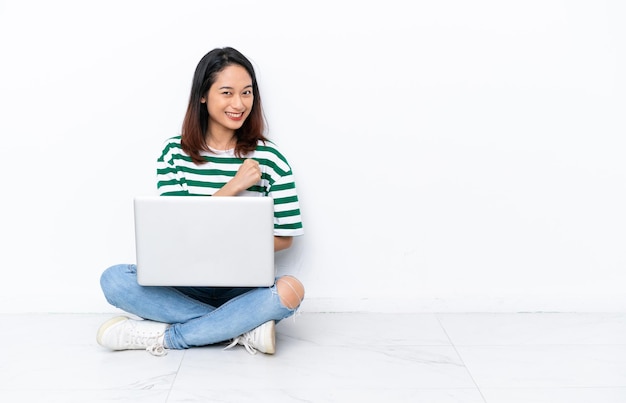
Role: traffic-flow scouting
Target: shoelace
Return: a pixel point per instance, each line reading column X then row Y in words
column 157, row 350
column 138, row 337
column 244, row 342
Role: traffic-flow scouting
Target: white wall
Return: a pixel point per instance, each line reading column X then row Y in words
column 450, row 155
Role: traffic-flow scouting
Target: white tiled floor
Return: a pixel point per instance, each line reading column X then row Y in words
column 341, row 357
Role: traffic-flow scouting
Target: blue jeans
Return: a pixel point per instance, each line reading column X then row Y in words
column 198, row 316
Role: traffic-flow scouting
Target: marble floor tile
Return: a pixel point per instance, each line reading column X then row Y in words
column 330, row 366
column 54, row 351
column 495, row 329
column 78, row 395
column 331, row 357
column 546, row 366
column 325, row 395
column 555, row 395
column 366, row 329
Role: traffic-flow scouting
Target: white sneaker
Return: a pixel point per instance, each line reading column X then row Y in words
column 262, row 338
column 122, row 333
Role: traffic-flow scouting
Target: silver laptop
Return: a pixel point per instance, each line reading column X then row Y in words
column 204, row 241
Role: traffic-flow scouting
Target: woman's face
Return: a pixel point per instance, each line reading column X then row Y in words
column 229, row 100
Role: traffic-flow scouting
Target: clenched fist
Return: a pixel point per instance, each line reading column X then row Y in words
column 248, row 174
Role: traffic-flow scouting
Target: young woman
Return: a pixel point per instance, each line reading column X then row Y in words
column 222, row 151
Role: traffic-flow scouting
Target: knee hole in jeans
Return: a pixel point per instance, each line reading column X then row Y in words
column 291, row 291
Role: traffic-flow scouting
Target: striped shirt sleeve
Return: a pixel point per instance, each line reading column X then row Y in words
column 170, row 180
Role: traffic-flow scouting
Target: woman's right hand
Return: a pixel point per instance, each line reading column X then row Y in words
column 248, row 174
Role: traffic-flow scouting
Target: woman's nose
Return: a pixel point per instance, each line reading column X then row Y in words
column 237, row 102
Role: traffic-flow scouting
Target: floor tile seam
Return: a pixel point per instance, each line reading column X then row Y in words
column 469, row 373
column 173, row 383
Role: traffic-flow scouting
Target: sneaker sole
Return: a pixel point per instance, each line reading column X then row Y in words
column 106, row 325
column 271, row 344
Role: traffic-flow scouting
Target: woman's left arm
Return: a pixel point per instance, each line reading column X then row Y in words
column 282, row 242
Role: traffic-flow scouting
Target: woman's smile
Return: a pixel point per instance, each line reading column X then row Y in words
column 235, row 116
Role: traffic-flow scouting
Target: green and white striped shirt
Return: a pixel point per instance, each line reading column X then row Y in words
column 178, row 175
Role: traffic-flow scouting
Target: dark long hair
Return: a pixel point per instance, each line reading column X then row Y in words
column 196, row 119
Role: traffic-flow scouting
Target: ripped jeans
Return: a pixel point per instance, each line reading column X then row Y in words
column 198, row 316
